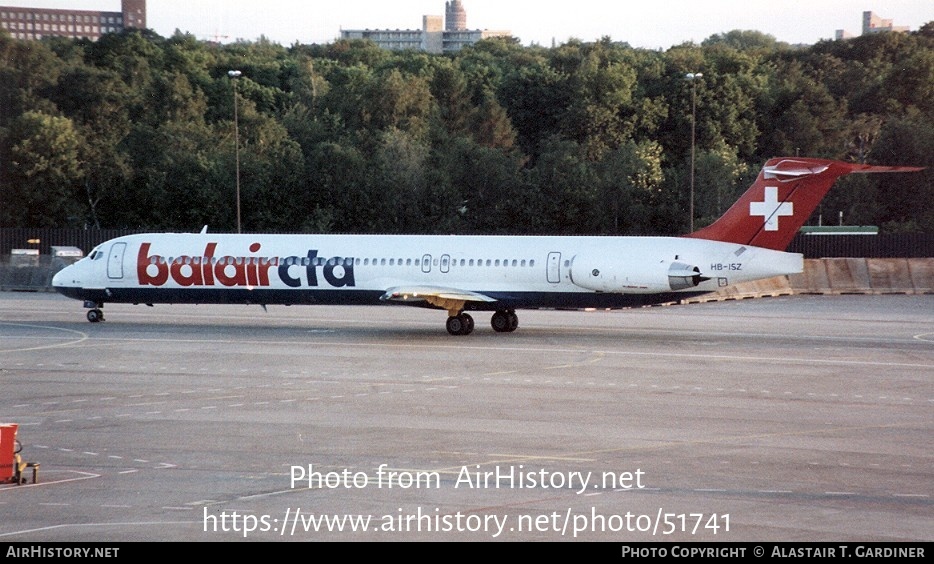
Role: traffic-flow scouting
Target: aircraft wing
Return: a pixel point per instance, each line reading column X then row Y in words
column 435, row 295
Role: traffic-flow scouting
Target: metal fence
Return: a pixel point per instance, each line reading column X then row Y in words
column 85, row 239
column 29, row 273
column 897, row 245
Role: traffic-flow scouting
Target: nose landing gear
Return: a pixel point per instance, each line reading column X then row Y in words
column 95, row 314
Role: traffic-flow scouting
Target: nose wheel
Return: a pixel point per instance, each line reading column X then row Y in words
column 95, row 314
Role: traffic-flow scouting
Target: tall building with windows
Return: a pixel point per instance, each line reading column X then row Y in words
column 455, row 17
column 37, row 23
column 436, row 36
column 873, row 24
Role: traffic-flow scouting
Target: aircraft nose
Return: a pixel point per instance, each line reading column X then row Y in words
column 60, row 277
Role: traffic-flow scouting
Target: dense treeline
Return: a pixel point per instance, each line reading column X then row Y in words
column 137, row 131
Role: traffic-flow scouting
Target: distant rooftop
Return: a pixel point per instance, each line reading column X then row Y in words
column 873, row 24
column 435, row 36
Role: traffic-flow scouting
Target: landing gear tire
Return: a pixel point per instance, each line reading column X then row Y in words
column 95, row 315
column 504, row 321
column 461, row 324
column 469, row 321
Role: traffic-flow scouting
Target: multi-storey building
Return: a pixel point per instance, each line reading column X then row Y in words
column 434, row 37
column 873, row 24
column 37, row 23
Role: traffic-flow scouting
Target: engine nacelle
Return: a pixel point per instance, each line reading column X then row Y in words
column 603, row 274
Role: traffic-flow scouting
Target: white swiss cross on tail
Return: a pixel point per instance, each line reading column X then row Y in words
column 771, row 209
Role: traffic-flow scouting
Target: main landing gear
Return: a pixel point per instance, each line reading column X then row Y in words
column 502, row 322
column 94, row 314
column 460, row 324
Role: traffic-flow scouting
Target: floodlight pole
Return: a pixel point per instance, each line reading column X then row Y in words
column 234, row 75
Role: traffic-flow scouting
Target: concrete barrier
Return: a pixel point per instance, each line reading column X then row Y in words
column 839, row 276
column 921, row 272
column 890, row 275
column 848, row 275
column 866, row 276
column 812, row 279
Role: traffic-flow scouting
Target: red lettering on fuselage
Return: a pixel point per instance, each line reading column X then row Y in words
column 142, row 268
column 230, row 271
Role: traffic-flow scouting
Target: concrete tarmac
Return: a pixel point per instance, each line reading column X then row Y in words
column 800, row 418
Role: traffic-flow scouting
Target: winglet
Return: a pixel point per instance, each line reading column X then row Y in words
column 783, row 197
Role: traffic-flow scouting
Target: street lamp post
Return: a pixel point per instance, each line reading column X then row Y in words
column 234, row 75
column 693, row 76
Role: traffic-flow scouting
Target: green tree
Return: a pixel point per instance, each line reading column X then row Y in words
column 904, row 200
column 44, row 171
column 628, row 179
column 567, row 200
column 601, row 90
column 401, row 161
column 535, row 98
column 718, row 179
column 804, row 117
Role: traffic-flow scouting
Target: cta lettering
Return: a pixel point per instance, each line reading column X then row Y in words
column 209, row 270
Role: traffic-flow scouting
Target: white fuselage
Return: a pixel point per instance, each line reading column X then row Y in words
column 511, row 272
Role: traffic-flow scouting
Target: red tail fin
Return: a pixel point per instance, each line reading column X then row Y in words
column 781, row 199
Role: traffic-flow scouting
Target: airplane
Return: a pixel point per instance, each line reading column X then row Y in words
column 461, row 274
